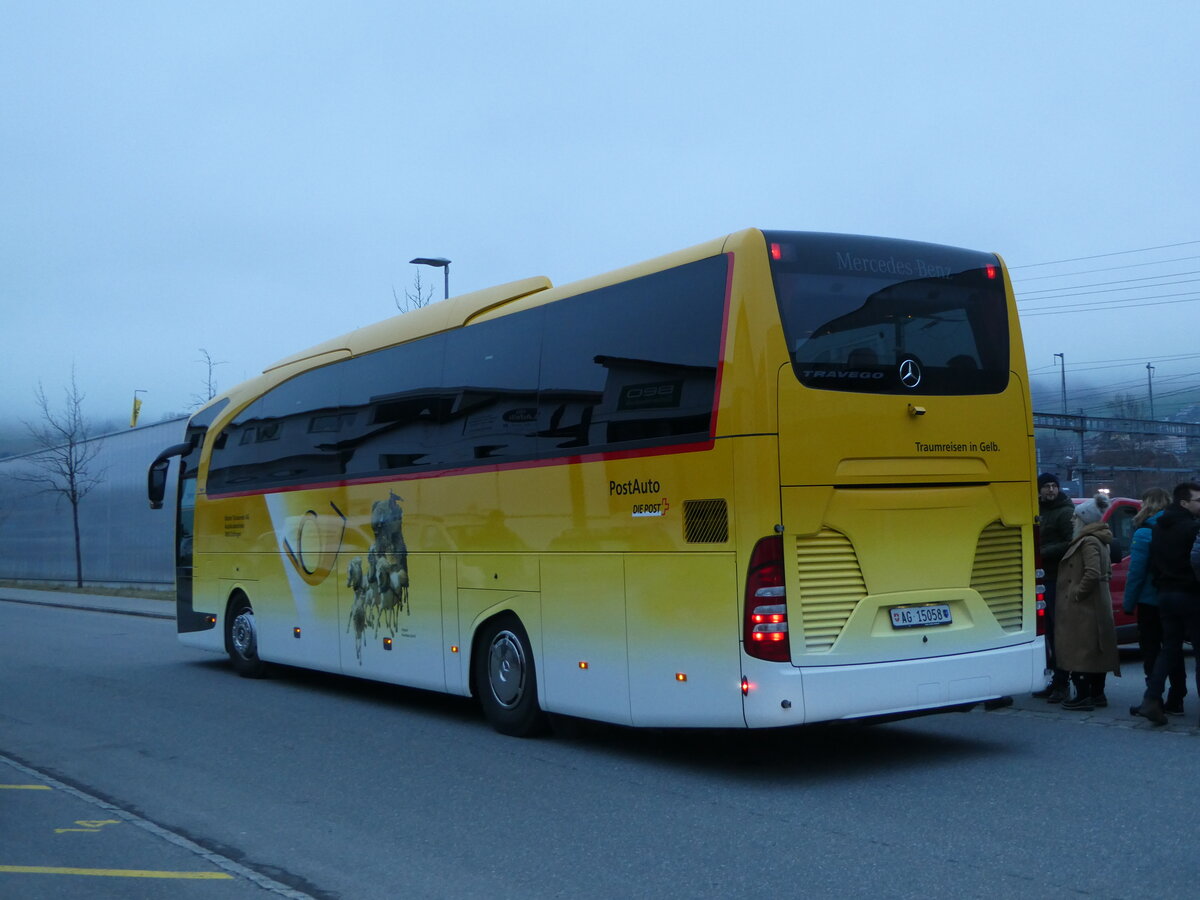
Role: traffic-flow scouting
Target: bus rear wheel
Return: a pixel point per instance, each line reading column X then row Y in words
column 241, row 639
column 506, row 679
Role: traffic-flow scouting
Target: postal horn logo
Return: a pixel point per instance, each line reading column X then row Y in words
column 910, row 373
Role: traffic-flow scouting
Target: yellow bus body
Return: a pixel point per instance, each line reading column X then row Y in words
column 882, row 501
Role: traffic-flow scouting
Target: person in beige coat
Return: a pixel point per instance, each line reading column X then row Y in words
column 1084, row 636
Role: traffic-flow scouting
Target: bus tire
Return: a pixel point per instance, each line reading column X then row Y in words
column 241, row 639
column 506, row 679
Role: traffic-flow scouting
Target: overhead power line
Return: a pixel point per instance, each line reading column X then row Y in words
column 1153, row 262
column 1055, row 262
column 1110, row 290
column 1105, row 306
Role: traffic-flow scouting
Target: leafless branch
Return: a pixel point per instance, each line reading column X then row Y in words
column 420, row 296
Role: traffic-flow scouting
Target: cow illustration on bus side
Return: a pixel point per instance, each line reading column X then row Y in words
column 381, row 584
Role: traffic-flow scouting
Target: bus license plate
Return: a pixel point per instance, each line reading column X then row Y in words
column 918, row 616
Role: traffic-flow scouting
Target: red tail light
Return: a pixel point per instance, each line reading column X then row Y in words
column 1040, row 576
column 765, row 630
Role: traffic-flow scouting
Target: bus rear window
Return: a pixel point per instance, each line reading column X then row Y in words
column 890, row 317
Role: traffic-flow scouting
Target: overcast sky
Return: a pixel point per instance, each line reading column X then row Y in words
column 251, row 178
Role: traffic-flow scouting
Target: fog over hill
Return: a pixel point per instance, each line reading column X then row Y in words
column 1106, row 398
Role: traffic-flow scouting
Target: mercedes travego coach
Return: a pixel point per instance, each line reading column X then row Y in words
column 776, row 478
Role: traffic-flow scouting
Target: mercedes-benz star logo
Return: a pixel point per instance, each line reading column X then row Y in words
column 910, row 373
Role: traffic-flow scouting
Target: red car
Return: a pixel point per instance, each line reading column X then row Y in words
column 1119, row 517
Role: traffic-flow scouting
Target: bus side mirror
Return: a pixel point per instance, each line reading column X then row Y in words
column 156, row 482
column 156, row 477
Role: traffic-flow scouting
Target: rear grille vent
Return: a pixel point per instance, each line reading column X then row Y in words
column 997, row 574
column 705, row 521
column 831, row 586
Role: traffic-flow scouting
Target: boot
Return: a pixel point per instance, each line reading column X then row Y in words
column 1152, row 709
column 1174, row 704
column 1080, row 703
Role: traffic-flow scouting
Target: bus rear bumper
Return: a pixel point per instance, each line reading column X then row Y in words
column 782, row 695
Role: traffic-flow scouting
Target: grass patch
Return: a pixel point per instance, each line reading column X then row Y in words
column 95, row 590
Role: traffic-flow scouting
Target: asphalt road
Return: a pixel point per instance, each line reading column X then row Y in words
column 151, row 770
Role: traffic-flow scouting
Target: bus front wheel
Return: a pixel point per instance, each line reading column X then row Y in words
column 506, row 680
column 241, row 639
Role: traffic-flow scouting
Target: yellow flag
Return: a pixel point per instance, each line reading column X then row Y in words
column 137, row 408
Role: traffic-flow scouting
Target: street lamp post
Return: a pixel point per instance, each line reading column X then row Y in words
column 1063, row 359
column 438, row 262
column 1150, row 386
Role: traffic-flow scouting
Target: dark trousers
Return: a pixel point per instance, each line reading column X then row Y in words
column 1150, row 640
column 1089, row 684
column 1059, row 678
column 1180, row 616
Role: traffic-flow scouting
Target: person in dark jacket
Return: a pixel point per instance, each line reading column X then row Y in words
column 1056, row 515
column 1141, row 597
column 1178, row 591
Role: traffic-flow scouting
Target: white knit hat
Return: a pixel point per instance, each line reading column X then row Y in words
column 1091, row 511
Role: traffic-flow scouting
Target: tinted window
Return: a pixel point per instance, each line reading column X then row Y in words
column 491, row 372
column 626, row 366
column 283, row 437
column 394, row 408
column 634, row 363
column 868, row 314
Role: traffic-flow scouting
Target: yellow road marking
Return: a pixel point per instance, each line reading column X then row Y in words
column 24, row 787
column 92, row 825
column 112, row 873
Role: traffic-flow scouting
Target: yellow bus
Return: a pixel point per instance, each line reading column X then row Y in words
column 773, row 479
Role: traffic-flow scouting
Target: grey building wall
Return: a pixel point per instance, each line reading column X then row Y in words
column 123, row 541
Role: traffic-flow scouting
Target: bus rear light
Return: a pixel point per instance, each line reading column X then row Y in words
column 776, row 251
column 991, row 272
column 745, row 686
column 765, row 630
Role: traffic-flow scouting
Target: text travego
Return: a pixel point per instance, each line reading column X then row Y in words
column 836, row 373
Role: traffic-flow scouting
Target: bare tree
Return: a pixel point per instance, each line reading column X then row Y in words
column 419, row 296
column 210, row 380
column 66, row 454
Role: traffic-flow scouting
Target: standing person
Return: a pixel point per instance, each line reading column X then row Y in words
column 1085, row 638
column 1178, row 591
column 1056, row 515
column 1196, row 557
column 1141, row 596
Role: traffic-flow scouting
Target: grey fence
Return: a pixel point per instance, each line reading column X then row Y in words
column 123, row 541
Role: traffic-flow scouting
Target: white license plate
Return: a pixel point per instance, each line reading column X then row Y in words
column 920, row 616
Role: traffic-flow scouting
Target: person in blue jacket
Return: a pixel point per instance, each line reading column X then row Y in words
column 1142, row 597
column 1196, row 557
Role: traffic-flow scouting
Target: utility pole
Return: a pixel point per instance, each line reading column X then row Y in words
column 1150, row 386
column 1063, row 359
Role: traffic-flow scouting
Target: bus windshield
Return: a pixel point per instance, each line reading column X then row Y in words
column 890, row 317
